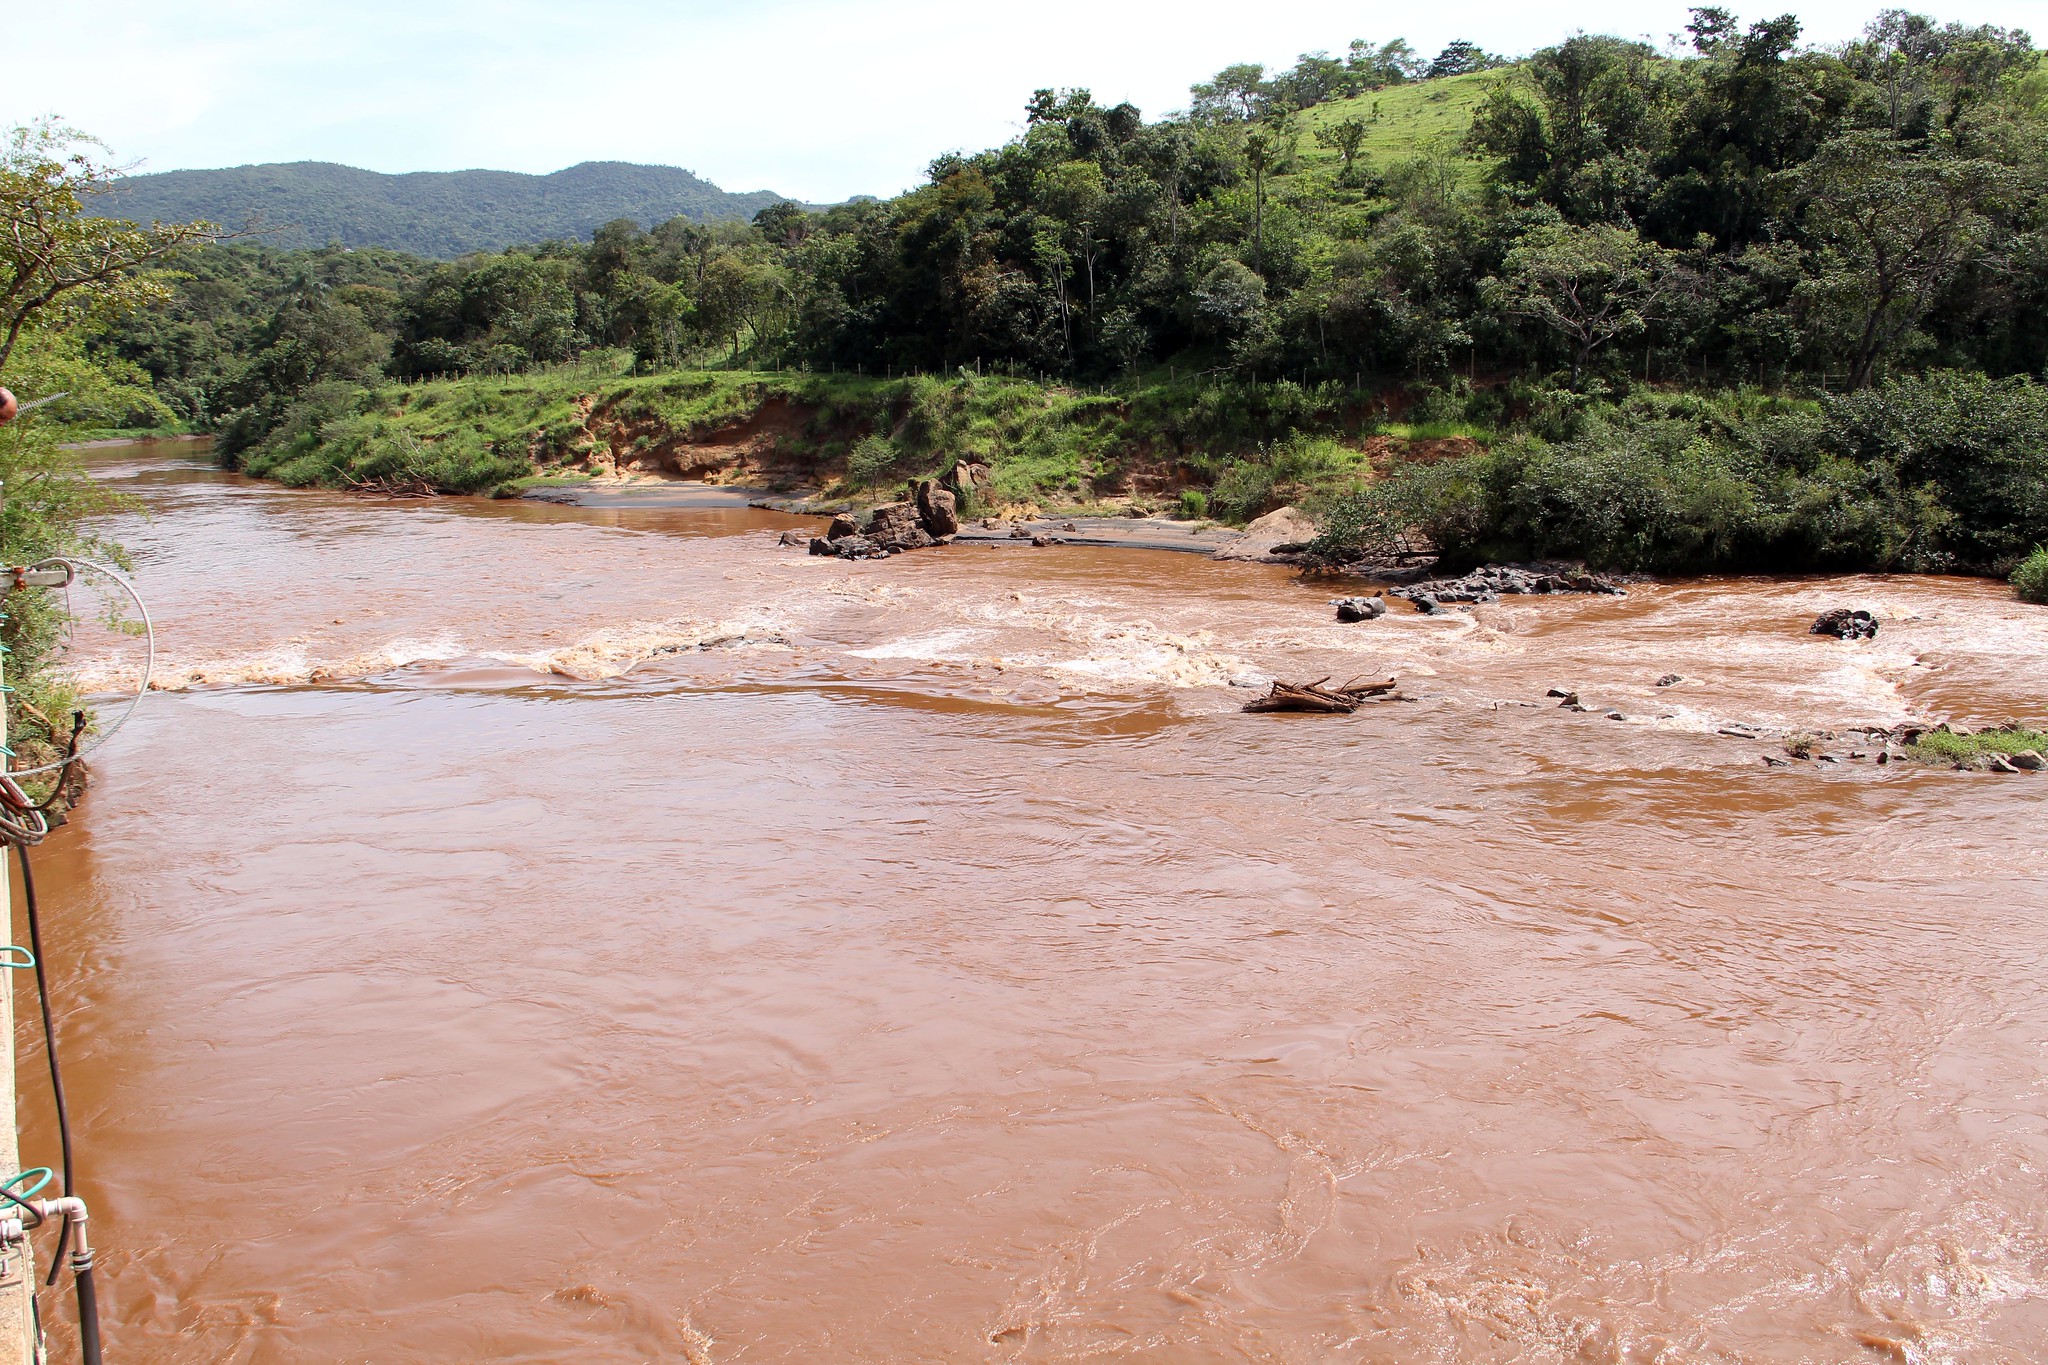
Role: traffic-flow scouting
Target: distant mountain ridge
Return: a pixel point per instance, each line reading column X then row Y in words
column 440, row 214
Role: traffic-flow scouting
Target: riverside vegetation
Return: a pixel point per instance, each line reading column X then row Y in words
column 1749, row 305
column 66, row 276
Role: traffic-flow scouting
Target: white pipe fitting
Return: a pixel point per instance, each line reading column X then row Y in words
column 71, row 1209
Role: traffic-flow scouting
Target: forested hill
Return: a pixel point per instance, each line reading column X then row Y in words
column 440, row 214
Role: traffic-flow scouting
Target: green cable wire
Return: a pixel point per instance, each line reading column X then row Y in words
column 43, row 1176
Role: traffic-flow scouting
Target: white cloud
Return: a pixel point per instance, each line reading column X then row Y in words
column 818, row 100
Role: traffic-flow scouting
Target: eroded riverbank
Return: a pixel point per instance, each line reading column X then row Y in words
column 604, row 932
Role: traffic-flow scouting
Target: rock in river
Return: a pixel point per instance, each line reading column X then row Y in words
column 937, row 510
column 1490, row 583
column 1844, row 624
column 1360, row 608
column 929, row 516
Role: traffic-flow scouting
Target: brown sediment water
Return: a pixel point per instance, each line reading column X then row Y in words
column 526, row 933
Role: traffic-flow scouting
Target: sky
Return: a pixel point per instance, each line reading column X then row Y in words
column 813, row 100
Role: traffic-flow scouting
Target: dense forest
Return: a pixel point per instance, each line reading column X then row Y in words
column 1755, row 303
column 438, row 214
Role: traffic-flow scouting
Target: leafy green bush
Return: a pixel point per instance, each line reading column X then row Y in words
column 872, row 461
column 1413, row 507
column 1980, row 445
column 1194, row 504
column 2030, row 579
column 1935, row 472
column 52, row 508
column 1243, row 492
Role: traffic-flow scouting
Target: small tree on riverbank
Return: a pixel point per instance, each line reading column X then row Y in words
column 61, row 269
column 58, row 263
column 1589, row 285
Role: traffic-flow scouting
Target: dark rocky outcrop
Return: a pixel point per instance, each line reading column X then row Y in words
column 896, row 526
column 1845, row 624
column 928, row 516
column 970, row 482
column 1495, row 581
column 848, row 547
column 937, row 510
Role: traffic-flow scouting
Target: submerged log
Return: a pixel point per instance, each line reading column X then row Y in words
column 1317, row 698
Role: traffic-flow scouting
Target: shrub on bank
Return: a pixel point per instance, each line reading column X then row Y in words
column 1935, row 473
column 2030, row 579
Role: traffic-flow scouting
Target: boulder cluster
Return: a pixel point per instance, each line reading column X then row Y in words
column 1495, row 581
column 1844, row 624
column 928, row 515
column 1489, row 584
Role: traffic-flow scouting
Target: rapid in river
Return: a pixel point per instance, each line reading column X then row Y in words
column 531, row 933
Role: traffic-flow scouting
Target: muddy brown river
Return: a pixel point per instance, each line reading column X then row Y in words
column 527, row 933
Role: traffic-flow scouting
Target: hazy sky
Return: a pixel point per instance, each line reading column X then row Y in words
column 815, row 100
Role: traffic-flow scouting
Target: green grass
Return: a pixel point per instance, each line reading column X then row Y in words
column 86, row 435
column 1435, row 431
column 570, row 480
column 1046, row 444
column 1424, row 118
column 1942, row 746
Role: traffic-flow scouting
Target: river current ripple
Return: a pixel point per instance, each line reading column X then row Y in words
column 523, row 933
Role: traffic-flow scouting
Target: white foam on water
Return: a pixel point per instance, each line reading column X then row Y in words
column 944, row 646
column 610, row 652
column 285, row 665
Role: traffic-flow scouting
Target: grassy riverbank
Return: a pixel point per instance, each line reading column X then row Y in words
column 1583, row 305
column 1941, row 472
column 1235, row 447
column 1972, row 748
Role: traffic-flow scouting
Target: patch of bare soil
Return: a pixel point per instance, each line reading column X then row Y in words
column 768, row 447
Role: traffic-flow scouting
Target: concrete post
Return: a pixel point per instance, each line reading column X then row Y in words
column 18, row 1344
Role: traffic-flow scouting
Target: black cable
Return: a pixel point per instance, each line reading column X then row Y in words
column 70, row 757
column 35, row 943
column 88, row 1314
column 88, row 1294
column 31, row 1210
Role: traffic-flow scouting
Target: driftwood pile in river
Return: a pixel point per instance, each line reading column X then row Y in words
column 1335, row 701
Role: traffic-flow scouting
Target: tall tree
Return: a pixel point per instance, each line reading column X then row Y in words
column 1589, row 285
column 1889, row 229
column 1237, row 93
column 55, row 256
column 1461, row 57
column 1344, row 138
column 1263, row 149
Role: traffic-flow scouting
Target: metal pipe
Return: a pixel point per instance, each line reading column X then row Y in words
column 74, row 1213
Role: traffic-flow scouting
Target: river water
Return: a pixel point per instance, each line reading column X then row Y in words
column 523, row 933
